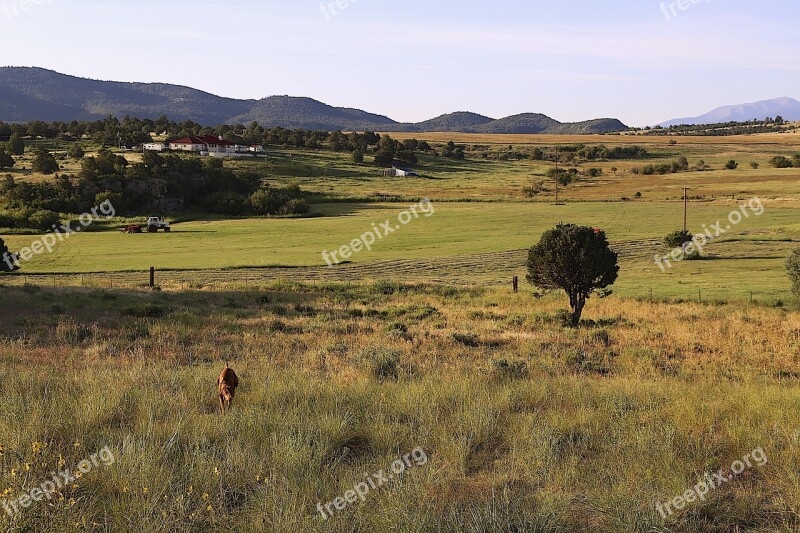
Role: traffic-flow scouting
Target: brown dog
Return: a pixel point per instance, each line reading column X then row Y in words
column 227, row 383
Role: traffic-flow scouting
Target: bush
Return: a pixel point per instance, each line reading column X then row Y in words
column 677, row 239
column 146, row 311
column 505, row 370
column 781, row 162
column 75, row 151
column 4, row 265
column 383, row 363
column 43, row 220
column 731, row 165
column 467, row 339
column 228, row 203
column 44, row 162
column 16, row 146
column 793, row 270
column 6, row 161
column 273, row 201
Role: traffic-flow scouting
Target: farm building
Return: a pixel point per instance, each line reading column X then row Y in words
column 399, row 172
column 204, row 144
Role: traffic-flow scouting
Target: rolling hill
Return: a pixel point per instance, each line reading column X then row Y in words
column 788, row 108
column 29, row 94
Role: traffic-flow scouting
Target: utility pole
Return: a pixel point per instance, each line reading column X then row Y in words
column 556, row 176
column 685, row 209
column 685, row 218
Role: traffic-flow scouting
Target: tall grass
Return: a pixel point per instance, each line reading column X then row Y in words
column 528, row 425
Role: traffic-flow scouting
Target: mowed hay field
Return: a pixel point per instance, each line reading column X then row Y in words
column 460, row 243
column 525, row 425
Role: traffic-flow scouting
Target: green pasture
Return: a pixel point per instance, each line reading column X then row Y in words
column 749, row 257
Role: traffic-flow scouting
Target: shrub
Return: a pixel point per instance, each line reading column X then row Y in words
column 793, row 270
column 781, row 162
column 146, row 311
column 383, row 363
column 75, row 151
column 467, row 339
column 505, row 370
column 677, row 239
column 44, row 162
column 16, row 146
column 5, row 266
column 6, row 160
column 43, row 220
column 385, row 287
column 731, row 165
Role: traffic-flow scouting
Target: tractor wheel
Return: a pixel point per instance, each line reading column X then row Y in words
column 167, row 230
column 152, row 229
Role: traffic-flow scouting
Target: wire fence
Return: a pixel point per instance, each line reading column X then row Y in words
column 246, row 279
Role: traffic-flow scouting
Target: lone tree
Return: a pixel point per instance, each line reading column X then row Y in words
column 6, row 161
column 576, row 259
column 44, row 162
column 7, row 259
column 76, row 152
column 16, row 146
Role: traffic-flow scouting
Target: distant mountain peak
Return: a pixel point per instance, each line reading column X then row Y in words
column 786, row 107
column 31, row 93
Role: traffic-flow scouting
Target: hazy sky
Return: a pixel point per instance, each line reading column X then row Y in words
column 415, row 59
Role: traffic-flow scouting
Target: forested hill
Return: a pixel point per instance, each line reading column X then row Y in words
column 31, row 94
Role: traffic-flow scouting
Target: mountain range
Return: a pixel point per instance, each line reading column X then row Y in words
column 29, row 94
column 788, row 108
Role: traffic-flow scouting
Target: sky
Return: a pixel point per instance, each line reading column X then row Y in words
column 642, row 61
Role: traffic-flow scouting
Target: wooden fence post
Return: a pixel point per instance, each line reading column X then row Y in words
column 152, row 277
column 516, row 284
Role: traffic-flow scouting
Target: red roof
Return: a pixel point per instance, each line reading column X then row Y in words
column 204, row 139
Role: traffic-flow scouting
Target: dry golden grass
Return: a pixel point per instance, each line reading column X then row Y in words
column 528, row 426
column 788, row 139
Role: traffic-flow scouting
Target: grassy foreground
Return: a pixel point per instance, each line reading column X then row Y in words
column 527, row 425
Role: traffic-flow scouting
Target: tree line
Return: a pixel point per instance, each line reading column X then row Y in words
column 132, row 132
column 159, row 184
